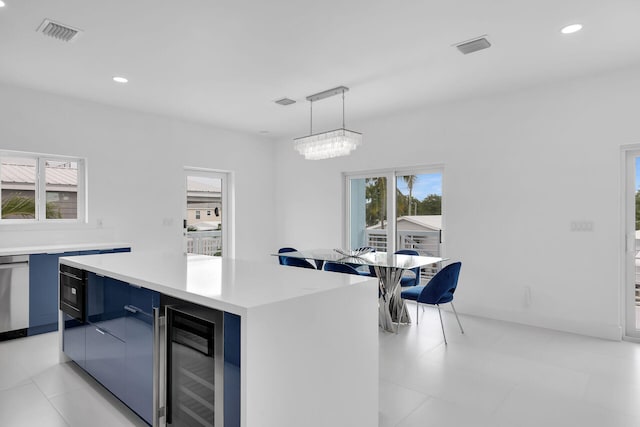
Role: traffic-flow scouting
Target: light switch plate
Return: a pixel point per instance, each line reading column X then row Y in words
column 581, row 225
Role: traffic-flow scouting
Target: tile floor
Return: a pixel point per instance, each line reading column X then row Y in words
column 496, row 374
column 502, row 374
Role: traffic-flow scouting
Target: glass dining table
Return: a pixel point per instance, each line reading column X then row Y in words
column 388, row 268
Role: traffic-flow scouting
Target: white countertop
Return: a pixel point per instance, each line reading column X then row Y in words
column 57, row 249
column 230, row 285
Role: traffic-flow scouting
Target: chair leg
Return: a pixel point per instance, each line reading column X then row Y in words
column 456, row 313
column 417, row 304
column 442, row 324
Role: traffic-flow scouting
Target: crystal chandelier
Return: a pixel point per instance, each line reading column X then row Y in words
column 333, row 143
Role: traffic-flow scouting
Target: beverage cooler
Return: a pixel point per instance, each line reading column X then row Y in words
column 194, row 366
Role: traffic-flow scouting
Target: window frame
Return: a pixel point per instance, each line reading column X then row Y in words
column 391, row 174
column 40, row 191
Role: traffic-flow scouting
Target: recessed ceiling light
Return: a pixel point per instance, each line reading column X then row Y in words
column 118, row 79
column 2, row 3
column 571, row 28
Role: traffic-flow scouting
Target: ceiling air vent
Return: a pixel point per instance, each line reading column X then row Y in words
column 474, row 45
column 285, row 101
column 58, row 31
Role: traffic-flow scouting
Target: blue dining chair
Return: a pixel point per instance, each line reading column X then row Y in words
column 438, row 291
column 340, row 268
column 412, row 279
column 293, row 262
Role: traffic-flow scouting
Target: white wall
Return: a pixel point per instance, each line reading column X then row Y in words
column 519, row 167
column 135, row 163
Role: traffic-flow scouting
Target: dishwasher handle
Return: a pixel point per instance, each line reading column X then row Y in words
column 14, row 259
column 9, row 266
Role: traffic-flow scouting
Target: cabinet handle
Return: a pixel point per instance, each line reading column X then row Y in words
column 99, row 330
column 132, row 309
column 158, row 406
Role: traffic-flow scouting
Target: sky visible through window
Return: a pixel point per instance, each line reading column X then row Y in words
column 425, row 185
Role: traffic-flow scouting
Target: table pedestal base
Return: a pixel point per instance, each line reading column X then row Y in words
column 390, row 304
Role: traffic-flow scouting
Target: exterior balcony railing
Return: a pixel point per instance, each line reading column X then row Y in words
column 426, row 243
column 204, row 242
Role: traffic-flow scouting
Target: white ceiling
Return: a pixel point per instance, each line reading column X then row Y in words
column 225, row 62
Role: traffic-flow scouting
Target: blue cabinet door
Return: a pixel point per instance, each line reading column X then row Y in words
column 106, row 302
column 43, row 292
column 105, row 359
column 73, row 339
column 121, row 318
column 139, row 352
column 231, row 370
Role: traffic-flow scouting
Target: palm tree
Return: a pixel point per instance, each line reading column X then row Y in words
column 376, row 194
column 25, row 207
column 410, row 180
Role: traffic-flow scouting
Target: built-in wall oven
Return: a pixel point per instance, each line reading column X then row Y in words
column 195, row 366
column 73, row 291
column 73, row 285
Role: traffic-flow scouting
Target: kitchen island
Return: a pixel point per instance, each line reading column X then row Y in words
column 308, row 339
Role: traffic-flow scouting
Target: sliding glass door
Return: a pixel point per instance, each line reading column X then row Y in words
column 632, row 245
column 412, row 198
column 369, row 212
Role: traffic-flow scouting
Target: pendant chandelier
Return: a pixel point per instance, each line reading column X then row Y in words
column 333, row 143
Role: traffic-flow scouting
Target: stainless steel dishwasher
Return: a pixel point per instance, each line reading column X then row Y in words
column 14, row 296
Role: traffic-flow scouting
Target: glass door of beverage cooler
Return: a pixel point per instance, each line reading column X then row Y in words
column 195, row 367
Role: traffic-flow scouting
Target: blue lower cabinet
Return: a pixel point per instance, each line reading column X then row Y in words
column 139, row 351
column 43, row 288
column 74, row 339
column 105, row 358
column 119, row 346
column 121, row 316
column 107, row 299
column 115, row 251
column 231, row 370
column 43, row 292
column 90, row 252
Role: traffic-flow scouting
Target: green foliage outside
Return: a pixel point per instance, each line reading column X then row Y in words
column 376, row 205
column 25, row 207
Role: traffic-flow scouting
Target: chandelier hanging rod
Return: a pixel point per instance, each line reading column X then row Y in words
column 327, row 93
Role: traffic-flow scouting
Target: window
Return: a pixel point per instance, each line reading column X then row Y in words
column 412, row 198
column 208, row 213
column 197, row 214
column 39, row 188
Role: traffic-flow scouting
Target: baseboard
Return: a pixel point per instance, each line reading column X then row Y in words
column 43, row 329
column 11, row 335
column 597, row 330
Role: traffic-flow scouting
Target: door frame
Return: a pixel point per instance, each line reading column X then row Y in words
column 227, row 201
column 628, row 247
